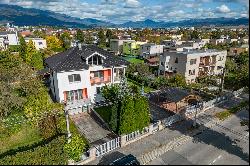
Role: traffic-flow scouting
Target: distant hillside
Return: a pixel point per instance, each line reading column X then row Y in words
column 29, row 16
column 187, row 23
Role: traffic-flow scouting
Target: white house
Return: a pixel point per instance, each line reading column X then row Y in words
column 39, row 43
column 77, row 75
column 8, row 39
column 192, row 64
column 116, row 45
column 150, row 50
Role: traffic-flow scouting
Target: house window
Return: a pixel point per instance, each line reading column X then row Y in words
column 220, row 58
column 74, row 78
column 40, row 43
column 98, row 90
column 74, row 95
column 191, row 72
column 192, row 61
column 98, row 74
column 176, row 60
column 95, row 60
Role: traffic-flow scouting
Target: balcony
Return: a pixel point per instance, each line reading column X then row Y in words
column 100, row 80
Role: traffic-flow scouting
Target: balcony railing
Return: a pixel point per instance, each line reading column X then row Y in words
column 117, row 79
column 100, row 80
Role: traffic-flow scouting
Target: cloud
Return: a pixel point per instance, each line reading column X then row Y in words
column 120, row 11
column 223, row 9
column 132, row 3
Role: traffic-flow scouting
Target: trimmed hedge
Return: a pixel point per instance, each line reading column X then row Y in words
column 48, row 154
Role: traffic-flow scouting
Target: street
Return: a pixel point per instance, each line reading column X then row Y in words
column 226, row 143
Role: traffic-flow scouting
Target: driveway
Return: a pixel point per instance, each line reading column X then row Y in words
column 94, row 132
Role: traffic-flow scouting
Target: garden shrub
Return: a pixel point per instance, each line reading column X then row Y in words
column 48, row 126
column 76, row 147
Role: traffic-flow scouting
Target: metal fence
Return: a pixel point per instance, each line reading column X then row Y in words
column 136, row 134
column 108, row 146
column 204, row 105
column 172, row 119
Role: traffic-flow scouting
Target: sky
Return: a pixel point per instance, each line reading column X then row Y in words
column 120, row 11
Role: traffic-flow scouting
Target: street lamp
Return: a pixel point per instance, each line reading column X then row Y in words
column 67, row 124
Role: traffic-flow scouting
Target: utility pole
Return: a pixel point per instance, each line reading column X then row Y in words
column 67, row 124
column 222, row 79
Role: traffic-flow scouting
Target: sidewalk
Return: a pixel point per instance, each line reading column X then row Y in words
column 146, row 145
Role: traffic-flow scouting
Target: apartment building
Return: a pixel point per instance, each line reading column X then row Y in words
column 132, row 47
column 8, row 39
column 150, row 50
column 77, row 75
column 39, row 43
column 116, row 45
column 192, row 64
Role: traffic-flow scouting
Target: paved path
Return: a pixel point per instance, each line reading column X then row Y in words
column 91, row 130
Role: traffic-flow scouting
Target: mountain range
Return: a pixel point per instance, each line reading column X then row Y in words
column 29, row 16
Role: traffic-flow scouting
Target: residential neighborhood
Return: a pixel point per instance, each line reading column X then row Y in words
column 102, row 91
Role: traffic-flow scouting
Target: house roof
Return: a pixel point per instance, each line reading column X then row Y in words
column 174, row 94
column 6, row 32
column 75, row 59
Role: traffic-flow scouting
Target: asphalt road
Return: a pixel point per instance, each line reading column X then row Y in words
column 224, row 144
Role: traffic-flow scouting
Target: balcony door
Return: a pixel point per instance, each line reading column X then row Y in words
column 74, row 95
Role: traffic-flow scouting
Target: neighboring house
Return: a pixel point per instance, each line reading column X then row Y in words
column 244, row 40
column 77, row 75
column 26, row 33
column 176, row 37
column 116, row 45
column 234, row 51
column 218, row 41
column 189, row 45
column 132, row 48
column 154, row 61
column 8, row 39
column 175, row 99
column 150, row 50
column 192, row 64
column 39, row 43
column 202, row 42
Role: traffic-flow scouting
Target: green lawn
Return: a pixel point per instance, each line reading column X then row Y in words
column 104, row 112
column 225, row 114
column 26, row 136
column 133, row 60
column 146, row 88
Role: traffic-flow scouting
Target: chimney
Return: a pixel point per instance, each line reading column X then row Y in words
column 79, row 46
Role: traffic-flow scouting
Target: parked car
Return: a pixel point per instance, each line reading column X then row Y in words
column 126, row 160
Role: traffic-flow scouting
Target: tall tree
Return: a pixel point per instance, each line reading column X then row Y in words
column 30, row 51
column 109, row 35
column 79, row 35
column 23, row 47
column 53, row 43
column 65, row 38
column 114, row 117
column 88, row 38
column 127, row 123
column 101, row 39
